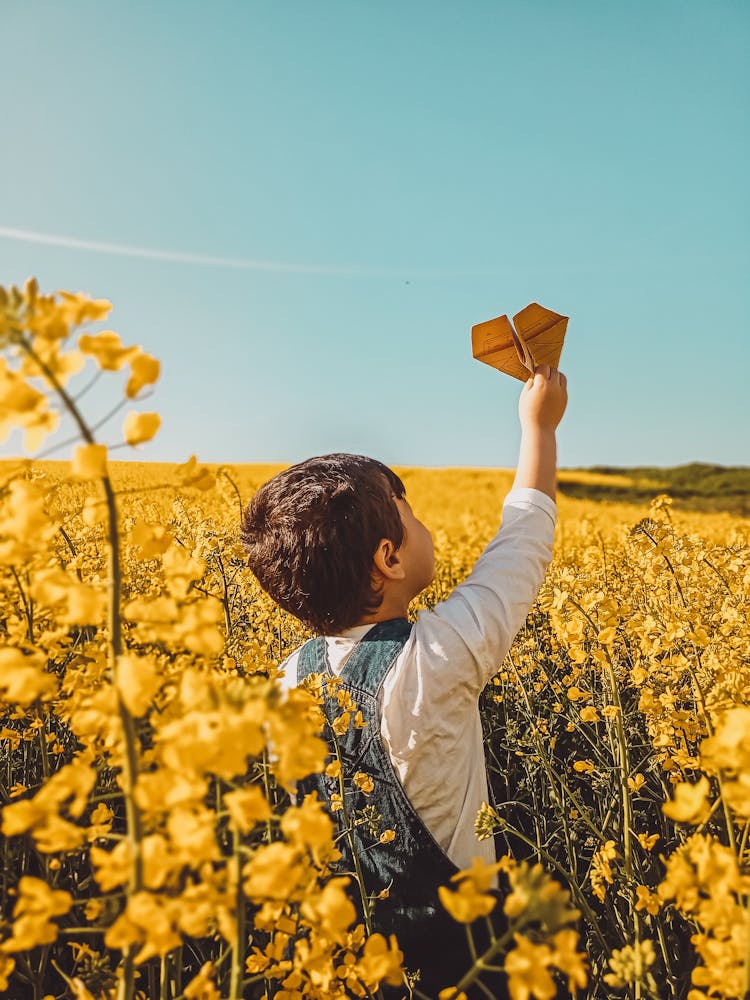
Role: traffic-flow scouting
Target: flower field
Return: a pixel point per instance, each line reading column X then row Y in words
column 150, row 846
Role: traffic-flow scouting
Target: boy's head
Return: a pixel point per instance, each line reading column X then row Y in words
column 316, row 533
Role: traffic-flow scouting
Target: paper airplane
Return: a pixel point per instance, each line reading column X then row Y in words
column 536, row 340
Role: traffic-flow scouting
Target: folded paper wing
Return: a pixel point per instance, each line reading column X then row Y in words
column 536, row 340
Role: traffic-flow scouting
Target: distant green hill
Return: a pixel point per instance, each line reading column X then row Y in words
column 697, row 486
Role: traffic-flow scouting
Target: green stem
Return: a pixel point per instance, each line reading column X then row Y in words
column 238, row 951
column 575, row 889
column 624, row 761
column 126, row 989
column 28, row 606
column 554, row 776
column 225, row 474
column 481, row 963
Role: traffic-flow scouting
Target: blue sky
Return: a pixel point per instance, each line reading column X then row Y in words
column 376, row 177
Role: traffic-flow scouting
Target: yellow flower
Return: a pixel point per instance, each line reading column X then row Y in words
column 345, row 700
column 647, row 841
column 481, row 875
column 293, row 732
column 152, row 539
column 364, row 782
column 308, row 825
column 333, row 770
column 80, row 308
column 381, row 961
column 341, row 723
column 100, row 820
column 192, row 835
column 149, row 920
column 7, row 965
column 486, row 822
column 192, row 474
column 690, row 803
column 24, row 677
column 25, row 520
column 466, row 904
column 50, row 364
column 160, row 861
column 387, row 836
column 84, row 605
column 90, row 461
column 590, row 714
column 138, row 680
column 144, row 370
column 111, row 868
column 630, row 964
column 601, row 869
column 247, row 806
column 527, row 970
column 536, row 896
column 647, row 900
column 94, row 511
column 140, row 427
column 273, row 872
column 202, row 986
column 107, row 348
column 584, row 766
column 568, row 960
column 575, row 693
column 35, row 906
column 728, row 752
column 331, row 911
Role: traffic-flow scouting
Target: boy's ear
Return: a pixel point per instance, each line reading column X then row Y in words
column 387, row 561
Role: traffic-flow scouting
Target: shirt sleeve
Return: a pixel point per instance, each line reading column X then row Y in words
column 472, row 631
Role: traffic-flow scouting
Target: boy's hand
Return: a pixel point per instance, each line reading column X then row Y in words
column 543, row 399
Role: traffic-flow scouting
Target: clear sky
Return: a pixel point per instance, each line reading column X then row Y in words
column 314, row 201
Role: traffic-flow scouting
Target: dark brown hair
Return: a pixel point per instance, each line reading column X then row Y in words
column 311, row 532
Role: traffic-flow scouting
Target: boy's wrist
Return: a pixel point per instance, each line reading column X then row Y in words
column 537, row 432
column 537, row 459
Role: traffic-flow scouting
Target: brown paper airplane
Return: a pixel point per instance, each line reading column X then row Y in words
column 536, row 340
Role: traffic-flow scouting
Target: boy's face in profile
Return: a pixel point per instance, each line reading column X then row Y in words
column 417, row 552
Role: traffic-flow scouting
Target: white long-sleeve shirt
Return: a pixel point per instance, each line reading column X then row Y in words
column 430, row 722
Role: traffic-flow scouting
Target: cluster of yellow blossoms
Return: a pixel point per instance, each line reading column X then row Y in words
column 151, row 847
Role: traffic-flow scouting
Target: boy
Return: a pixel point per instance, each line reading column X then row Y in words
column 334, row 541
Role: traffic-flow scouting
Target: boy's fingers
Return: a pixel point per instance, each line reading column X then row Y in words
column 544, row 370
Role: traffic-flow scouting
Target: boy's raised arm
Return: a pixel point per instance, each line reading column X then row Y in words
column 475, row 626
column 540, row 409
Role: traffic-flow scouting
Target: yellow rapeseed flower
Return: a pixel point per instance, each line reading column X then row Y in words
column 90, row 461
column 140, row 427
column 364, row 782
column 467, row 903
column 690, row 803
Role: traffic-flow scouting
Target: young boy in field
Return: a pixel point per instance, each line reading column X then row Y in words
column 334, row 541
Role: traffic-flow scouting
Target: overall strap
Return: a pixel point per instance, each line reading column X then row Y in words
column 312, row 658
column 368, row 663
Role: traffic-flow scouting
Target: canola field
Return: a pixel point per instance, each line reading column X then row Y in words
column 150, row 847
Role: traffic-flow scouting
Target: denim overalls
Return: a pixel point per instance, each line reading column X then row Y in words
column 413, row 865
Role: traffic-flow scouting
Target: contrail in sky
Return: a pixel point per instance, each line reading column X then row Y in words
column 239, row 263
